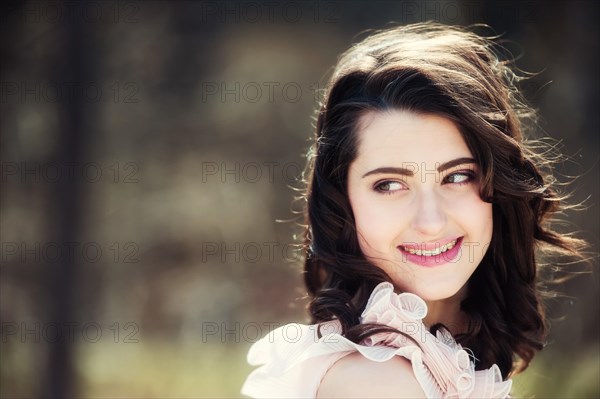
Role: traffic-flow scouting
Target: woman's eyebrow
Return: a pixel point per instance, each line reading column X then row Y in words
column 411, row 171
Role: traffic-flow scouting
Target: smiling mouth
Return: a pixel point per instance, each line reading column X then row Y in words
column 434, row 252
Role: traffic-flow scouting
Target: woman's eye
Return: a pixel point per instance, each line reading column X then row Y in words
column 388, row 186
column 461, row 178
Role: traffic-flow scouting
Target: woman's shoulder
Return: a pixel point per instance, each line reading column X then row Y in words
column 293, row 358
column 357, row 376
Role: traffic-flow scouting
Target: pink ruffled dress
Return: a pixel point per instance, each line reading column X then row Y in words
column 293, row 359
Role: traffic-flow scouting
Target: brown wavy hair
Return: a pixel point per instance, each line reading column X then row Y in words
column 457, row 74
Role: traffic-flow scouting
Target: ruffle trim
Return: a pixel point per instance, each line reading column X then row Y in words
column 441, row 366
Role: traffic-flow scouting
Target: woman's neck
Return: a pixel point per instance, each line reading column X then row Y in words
column 447, row 311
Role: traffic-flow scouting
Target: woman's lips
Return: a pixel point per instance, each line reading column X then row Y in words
column 436, row 260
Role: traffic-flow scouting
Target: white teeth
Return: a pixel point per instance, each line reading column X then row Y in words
column 434, row 252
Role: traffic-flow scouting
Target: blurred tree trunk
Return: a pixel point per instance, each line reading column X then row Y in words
column 64, row 277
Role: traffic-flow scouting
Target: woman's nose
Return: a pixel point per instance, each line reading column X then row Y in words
column 429, row 217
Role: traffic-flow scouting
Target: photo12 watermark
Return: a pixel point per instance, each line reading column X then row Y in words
column 249, row 252
column 65, row 92
column 273, row 251
column 57, row 172
column 451, row 252
column 250, row 172
column 465, row 12
column 60, row 12
column 58, row 252
column 293, row 333
column 69, row 332
column 270, row 12
column 258, row 92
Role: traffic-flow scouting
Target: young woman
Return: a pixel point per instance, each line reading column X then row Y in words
column 427, row 215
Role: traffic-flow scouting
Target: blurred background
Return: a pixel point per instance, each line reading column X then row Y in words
column 148, row 148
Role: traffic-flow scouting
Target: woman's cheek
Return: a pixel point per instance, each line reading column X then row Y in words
column 474, row 214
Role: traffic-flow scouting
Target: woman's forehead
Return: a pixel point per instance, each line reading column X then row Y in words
column 410, row 137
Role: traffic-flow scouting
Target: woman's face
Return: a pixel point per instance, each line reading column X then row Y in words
column 414, row 192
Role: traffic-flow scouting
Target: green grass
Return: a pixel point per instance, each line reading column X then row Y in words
column 163, row 369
